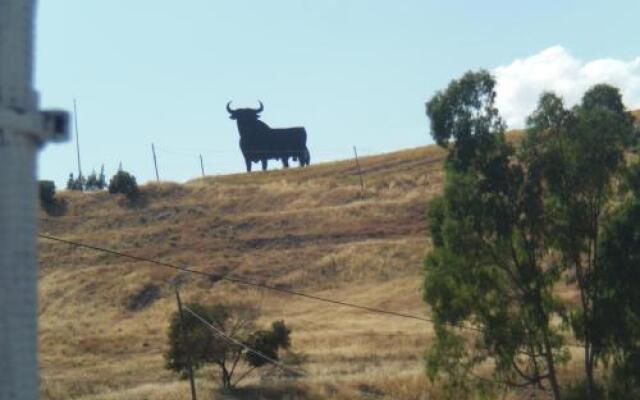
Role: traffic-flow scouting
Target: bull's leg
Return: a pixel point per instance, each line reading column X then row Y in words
column 307, row 157
column 285, row 162
column 248, row 164
column 264, row 164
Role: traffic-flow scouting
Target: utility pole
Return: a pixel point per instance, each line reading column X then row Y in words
column 75, row 119
column 23, row 131
column 202, row 165
column 155, row 161
column 359, row 172
column 184, row 336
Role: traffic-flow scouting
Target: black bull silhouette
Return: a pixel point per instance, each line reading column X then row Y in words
column 259, row 142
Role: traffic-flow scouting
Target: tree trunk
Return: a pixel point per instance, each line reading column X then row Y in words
column 548, row 348
column 226, row 378
column 588, row 366
column 586, row 316
column 553, row 379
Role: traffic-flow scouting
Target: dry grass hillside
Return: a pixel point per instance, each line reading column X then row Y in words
column 305, row 229
column 104, row 319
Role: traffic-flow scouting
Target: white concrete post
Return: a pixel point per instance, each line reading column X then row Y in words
column 23, row 129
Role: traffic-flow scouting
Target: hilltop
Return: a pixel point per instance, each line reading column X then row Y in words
column 103, row 319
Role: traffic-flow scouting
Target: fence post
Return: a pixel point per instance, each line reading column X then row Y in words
column 355, row 152
column 155, row 161
column 75, row 122
column 202, row 165
column 184, row 336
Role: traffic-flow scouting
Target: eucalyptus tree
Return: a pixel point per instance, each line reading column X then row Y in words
column 488, row 267
column 192, row 344
column 513, row 223
column 583, row 160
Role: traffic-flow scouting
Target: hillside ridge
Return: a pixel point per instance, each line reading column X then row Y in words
column 309, row 229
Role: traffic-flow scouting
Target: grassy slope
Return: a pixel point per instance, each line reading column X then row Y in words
column 304, row 229
column 308, row 230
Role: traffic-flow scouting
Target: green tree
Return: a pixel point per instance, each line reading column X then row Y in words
column 95, row 181
column 583, row 156
column 102, row 180
column 489, row 240
column 617, row 307
column 47, row 194
column 204, row 346
column 75, row 183
column 512, row 223
column 125, row 183
column 92, row 181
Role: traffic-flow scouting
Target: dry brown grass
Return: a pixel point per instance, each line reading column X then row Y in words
column 306, row 229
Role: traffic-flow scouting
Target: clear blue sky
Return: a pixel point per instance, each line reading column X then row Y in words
column 353, row 72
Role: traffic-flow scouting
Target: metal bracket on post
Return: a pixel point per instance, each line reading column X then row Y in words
column 41, row 126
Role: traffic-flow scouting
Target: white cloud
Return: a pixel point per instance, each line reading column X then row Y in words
column 520, row 83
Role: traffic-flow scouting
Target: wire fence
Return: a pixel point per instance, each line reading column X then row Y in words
column 178, row 164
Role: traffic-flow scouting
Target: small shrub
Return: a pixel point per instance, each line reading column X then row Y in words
column 47, row 191
column 75, row 183
column 95, row 181
column 49, row 202
column 125, row 183
column 92, row 181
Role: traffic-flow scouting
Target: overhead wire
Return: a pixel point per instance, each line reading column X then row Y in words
column 240, row 281
column 252, row 283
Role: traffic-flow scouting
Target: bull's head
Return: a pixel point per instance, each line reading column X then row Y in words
column 245, row 113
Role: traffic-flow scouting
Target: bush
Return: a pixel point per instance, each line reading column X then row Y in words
column 191, row 341
column 75, row 183
column 95, row 181
column 47, row 191
column 580, row 391
column 125, row 183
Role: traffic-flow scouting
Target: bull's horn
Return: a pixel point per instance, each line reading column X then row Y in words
column 229, row 110
column 259, row 110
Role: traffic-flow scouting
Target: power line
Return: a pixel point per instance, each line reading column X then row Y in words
column 238, row 343
column 251, row 283
column 269, row 287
